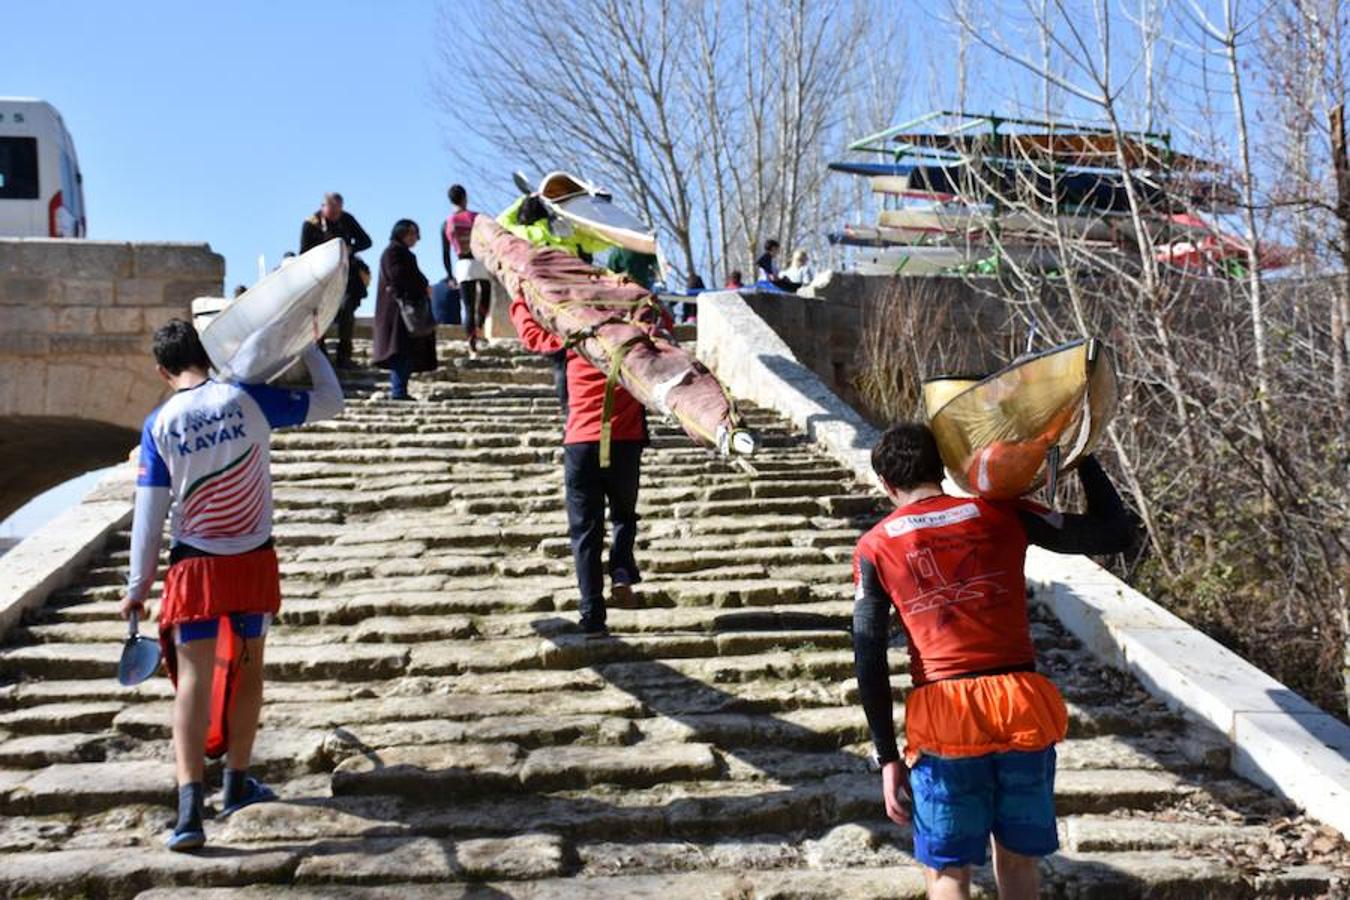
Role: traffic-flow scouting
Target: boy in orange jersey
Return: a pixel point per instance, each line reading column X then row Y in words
column 981, row 724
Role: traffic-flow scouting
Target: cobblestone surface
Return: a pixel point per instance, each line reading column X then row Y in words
column 432, row 715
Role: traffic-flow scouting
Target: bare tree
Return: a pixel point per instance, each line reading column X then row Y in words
column 713, row 117
column 1231, row 439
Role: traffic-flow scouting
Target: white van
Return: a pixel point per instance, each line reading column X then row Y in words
column 41, row 189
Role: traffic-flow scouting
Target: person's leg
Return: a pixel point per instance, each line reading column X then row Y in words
column 400, row 368
column 484, row 306
column 346, row 326
column 953, row 816
column 195, row 649
column 948, row 884
column 585, row 498
column 473, row 325
column 622, row 481
column 246, row 704
column 468, row 305
column 245, row 707
column 1018, row 876
column 1024, row 821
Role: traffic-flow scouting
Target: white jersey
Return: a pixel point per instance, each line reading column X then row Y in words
column 207, row 452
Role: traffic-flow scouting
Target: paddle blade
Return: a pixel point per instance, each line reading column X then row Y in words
column 140, row 658
column 522, row 183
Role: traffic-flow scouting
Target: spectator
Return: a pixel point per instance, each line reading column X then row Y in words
column 693, row 286
column 766, row 267
column 330, row 221
column 239, row 289
column 475, row 290
column 734, row 281
column 394, row 347
column 800, row 272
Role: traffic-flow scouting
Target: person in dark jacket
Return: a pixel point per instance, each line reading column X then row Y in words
column 328, row 222
column 395, row 348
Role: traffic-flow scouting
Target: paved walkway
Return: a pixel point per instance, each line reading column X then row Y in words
column 432, row 716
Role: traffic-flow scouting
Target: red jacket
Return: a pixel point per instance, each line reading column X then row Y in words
column 585, row 387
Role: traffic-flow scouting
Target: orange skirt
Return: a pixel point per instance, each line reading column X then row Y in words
column 211, row 587
column 208, row 587
column 990, row 714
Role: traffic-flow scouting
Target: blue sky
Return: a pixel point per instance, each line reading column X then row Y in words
column 226, row 122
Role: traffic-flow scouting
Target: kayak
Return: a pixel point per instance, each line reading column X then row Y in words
column 587, row 208
column 1007, row 434
column 943, row 218
column 1084, row 149
column 880, row 257
column 615, row 324
column 1086, row 190
column 258, row 335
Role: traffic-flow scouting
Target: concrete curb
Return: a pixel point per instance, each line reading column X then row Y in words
column 756, row 365
column 54, row 555
column 1278, row 740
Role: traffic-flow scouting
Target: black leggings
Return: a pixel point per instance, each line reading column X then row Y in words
column 476, row 297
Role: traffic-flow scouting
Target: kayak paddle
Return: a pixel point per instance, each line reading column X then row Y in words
column 140, row 656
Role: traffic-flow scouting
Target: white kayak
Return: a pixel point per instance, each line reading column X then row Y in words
column 590, row 209
column 265, row 329
column 938, row 259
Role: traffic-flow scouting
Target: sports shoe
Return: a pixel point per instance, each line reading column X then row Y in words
column 183, row 841
column 255, row 792
column 595, row 630
column 621, row 596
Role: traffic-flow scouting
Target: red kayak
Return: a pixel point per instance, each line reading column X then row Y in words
column 614, row 324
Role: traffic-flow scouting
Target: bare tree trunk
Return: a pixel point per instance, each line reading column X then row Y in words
column 1254, row 280
column 1340, row 308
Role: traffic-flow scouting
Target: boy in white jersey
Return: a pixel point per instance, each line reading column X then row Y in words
column 205, row 452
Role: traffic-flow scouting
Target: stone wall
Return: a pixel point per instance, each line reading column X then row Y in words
column 76, row 319
column 76, row 378
column 825, row 325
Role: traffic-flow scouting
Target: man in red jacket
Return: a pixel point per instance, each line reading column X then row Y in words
column 588, row 486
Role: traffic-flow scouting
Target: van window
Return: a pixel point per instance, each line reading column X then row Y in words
column 18, row 168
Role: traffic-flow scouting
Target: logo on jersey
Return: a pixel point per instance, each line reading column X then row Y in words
column 202, row 431
column 919, row 521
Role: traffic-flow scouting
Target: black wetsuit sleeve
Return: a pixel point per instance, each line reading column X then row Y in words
column 1106, row 527
column 871, row 634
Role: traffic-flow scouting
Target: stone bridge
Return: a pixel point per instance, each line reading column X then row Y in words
column 75, row 325
column 436, row 727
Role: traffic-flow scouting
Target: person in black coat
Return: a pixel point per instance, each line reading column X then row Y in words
column 395, row 348
column 328, row 222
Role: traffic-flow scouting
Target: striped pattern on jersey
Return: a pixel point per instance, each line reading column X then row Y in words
column 229, row 501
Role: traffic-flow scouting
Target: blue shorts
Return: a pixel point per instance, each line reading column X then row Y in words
column 959, row 802
column 246, row 625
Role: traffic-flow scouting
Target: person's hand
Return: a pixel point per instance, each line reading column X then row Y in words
column 128, row 606
column 895, row 791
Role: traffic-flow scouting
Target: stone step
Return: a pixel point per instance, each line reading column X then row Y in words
column 424, row 669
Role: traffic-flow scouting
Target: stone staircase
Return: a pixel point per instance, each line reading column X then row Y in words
column 436, row 726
